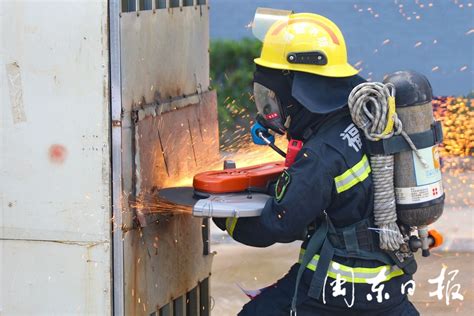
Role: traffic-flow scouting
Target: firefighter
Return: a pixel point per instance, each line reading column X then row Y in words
column 301, row 85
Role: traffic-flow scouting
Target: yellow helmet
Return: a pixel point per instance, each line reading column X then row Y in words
column 302, row 42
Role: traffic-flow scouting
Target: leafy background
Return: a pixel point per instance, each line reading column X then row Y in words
column 232, row 70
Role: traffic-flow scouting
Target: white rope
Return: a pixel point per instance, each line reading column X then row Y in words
column 368, row 103
column 374, row 119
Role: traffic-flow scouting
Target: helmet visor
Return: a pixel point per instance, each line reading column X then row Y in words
column 269, row 108
column 265, row 18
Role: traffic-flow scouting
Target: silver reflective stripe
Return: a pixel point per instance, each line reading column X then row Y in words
column 354, row 175
column 356, row 274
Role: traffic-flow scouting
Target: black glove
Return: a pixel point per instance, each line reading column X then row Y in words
column 270, row 190
column 220, row 222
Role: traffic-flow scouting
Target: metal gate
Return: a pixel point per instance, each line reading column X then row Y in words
column 164, row 126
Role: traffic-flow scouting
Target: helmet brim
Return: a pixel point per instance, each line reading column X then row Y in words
column 334, row 71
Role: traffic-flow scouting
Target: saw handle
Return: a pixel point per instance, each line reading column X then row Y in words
column 238, row 179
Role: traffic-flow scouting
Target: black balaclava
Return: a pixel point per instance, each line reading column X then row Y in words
column 280, row 82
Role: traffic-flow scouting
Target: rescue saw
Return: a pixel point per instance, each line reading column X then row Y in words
column 232, row 192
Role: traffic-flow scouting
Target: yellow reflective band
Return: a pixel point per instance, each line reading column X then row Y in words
column 391, row 111
column 230, row 224
column 354, row 175
column 354, row 274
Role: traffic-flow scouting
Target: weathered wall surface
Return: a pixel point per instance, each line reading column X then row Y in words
column 55, row 254
column 173, row 145
column 169, row 132
column 164, row 54
column 165, row 259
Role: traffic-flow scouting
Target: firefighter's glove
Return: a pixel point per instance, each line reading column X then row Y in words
column 220, row 222
column 257, row 128
column 270, row 188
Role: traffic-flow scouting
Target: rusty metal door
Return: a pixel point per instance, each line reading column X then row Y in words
column 164, row 127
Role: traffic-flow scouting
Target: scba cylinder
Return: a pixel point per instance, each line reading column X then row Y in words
column 418, row 184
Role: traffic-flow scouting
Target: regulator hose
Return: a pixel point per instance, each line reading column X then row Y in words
column 369, row 104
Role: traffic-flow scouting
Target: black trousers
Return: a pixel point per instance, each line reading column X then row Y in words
column 276, row 301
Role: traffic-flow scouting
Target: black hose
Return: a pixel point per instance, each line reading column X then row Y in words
column 278, row 150
column 269, row 143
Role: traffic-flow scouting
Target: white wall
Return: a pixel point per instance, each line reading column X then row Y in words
column 55, row 252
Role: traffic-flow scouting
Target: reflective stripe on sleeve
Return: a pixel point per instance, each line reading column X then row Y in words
column 230, row 225
column 355, row 274
column 354, row 175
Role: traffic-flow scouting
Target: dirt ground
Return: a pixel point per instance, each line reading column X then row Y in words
column 254, row 268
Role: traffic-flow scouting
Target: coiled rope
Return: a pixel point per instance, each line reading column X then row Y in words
column 369, row 107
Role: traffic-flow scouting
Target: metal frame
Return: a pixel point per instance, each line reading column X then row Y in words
column 138, row 4
column 115, row 8
column 124, row 116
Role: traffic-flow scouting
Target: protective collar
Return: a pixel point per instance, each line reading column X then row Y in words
column 323, row 94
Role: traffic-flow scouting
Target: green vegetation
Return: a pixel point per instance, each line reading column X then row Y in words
column 232, row 70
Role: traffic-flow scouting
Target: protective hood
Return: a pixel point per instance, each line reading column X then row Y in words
column 272, row 95
column 281, row 83
column 302, row 120
column 307, row 98
column 320, row 94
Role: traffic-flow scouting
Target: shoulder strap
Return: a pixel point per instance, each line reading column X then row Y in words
column 318, row 241
column 397, row 143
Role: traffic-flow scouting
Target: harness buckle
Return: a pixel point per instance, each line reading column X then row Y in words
column 292, row 312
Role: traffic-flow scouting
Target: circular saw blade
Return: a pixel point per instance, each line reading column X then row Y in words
column 178, row 195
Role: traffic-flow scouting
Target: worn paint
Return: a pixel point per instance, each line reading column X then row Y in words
column 157, row 109
column 171, row 267
column 193, row 127
column 181, row 67
column 15, row 90
column 157, row 79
